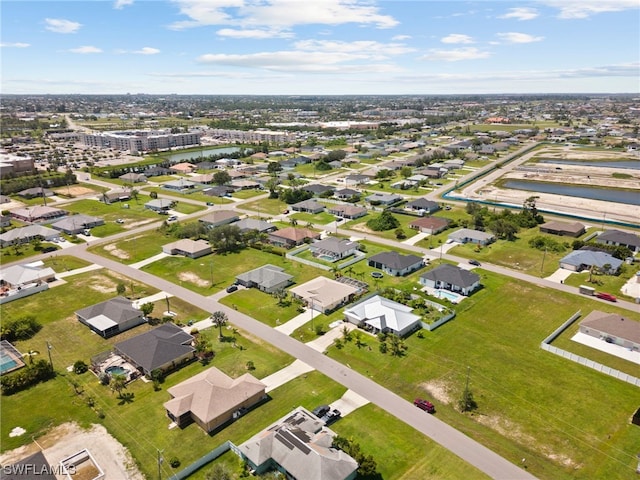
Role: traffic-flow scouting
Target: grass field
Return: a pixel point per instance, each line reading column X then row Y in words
column 605, row 283
column 134, row 248
column 261, row 306
column 405, row 220
column 321, row 218
column 268, row 206
column 558, row 426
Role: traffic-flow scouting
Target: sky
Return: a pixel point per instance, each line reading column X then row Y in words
column 319, row 47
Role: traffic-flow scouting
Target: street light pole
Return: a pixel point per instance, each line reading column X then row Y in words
column 49, row 347
column 160, row 460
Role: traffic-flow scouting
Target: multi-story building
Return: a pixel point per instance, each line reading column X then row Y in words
column 136, row 141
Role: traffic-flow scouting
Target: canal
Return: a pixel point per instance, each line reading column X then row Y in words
column 628, row 197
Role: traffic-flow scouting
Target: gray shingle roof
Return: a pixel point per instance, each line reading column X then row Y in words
column 617, row 236
column 266, row 276
column 453, row 275
column 118, row 309
column 394, row 260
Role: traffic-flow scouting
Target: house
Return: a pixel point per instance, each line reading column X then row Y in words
column 346, row 193
column 115, row 196
column 423, row 206
column 5, row 221
column 37, row 213
column 25, row 274
column 205, row 178
column 450, row 277
column 384, row 198
column 563, row 228
column 261, row 226
column 183, row 168
column 27, row 234
column 324, row 294
column 111, row 317
column 159, row 205
column 347, row 211
column 179, row 185
column 156, row 172
column 308, row 206
column 188, row 248
column 164, row 348
column 240, row 184
column 382, row 315
column 267, row 278
column 36, row 192
column 133, row 177
column 218, row 190
column 431, row 225
column 211, row 398
column 612, row 328
column 317, row 189
column 580, row 260
column 356, row 179
column 218, row 218
column 619, row 238
column 299, row 446
column 333, row 248
column 75, row 224
column 290, row 237
column 393, row 263
column 467, row 235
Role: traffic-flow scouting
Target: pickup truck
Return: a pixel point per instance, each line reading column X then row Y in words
column 425, row 405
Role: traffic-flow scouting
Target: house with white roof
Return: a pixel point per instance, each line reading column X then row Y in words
column 384, row 316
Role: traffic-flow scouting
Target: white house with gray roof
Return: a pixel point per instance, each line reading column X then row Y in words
column 74, row 224
column 299, row 446
column 580, row 260
column 393, row 263
column 28, row 233
column 620, row 238
column 467, row 235
column 111, row 317
column 267, row 278
column 334, row 248
column 450, row 277
column 384, row 316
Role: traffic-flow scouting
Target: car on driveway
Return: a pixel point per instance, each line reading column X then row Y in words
column 330, row 417
column 120, row 220
column 321, row 411
column 425, row 405
column 232, row 288
column 172, row 218
column 474, row 262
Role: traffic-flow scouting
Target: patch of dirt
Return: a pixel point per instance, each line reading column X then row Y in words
column 562, row 460
column 74, row 191
column 140, row 223
column 362, row 227
column 116, row 252
column 192, row 278
column 439, row 390
column 69, row 438
column 505, row 428
column 102, row 284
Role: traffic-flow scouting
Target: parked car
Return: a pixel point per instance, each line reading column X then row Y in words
column 172, row 218
column 606, row 296
column 331, row 416
column 474, row 262
column 231, row 288
column 210, row 204
column 321, row 411
column 425, row 405
column 120, row 220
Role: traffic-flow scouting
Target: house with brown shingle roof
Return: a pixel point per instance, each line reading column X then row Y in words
column 183, row 167
column 219, row 217
column 188, row 248
column 431, row 225
column 612, row 328
column 347, row 211
column 211, row 398
column 563, row 228
column 291, row 236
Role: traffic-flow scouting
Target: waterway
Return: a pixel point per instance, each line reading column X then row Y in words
column 627, row 164
column 608, row 195
column 206, row 151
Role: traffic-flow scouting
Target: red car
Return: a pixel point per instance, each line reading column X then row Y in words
column 425, row 405
column 606, row 296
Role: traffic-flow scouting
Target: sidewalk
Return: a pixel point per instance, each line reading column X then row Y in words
column 296, row 322
column 323, row 342
column 282, row 376
column 78, row 271
column 149, row 260
column 416, row 238
column 150, row 299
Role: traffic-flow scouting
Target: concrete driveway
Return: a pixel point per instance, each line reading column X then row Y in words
column 282, row 376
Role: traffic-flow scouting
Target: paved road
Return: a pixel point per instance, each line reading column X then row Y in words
column 463, row 446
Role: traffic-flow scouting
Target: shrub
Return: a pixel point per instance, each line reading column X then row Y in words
column 80, row 367
column 174, row 462
column 20, row 329
column 40, row 371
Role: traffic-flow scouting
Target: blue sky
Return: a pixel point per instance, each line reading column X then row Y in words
column 302, row 47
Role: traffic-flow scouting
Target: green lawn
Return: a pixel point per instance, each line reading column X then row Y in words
column 605, row 283
column 245, row 194
column 321, row 218
column 187, row 208
column 269, row 206
column 134, row 248
column 195, row 195
column 196, row 274
column 261, row 306
column 134, row 216
column 558, row 426
column 23, row 251
column 65, row 263
column 405, row 220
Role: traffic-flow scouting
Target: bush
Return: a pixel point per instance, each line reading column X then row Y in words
column 174, row 462
column 40, row 371
column 80, row 367
column 20, row 329
column 384, row 221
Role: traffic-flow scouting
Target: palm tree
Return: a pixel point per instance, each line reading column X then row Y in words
column 30, row 354
column 118, row 383
column 219, row 319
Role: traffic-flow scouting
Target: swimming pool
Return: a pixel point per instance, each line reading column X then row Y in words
column 447, row 294
column 117, row 370
column 326, row 258
column 7, row 363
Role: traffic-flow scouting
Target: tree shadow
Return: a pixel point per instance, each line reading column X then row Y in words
column 126, row 398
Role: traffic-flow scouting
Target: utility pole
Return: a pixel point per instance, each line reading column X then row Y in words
column 160, row 460
column 543, row 256
column 211, row 272
column 49, row 347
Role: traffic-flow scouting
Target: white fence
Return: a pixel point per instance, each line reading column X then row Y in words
column 612, row 372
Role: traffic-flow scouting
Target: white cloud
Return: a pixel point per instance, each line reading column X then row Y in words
column 515, row 37
column 120, row 4
column 366, row 48
column 147, row 51
column 456, row 55
column 573, row 9
column 254, row 33
column 86, row 49
column 521, row 13
column 280, row 14
column 14, row 45
column 400, row 38
column 60, row 25
column 457, row 38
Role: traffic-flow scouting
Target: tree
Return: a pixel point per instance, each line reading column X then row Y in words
column 467, row 402
column 121, row 288
column 80, row 367
column 31, row 354
column 384, row 221
column 272, row 186
column 273, row 168
column 147, row 308
column 219, row 472
column 406, row 172
column 118, row 383
column 219, row 319
column 227, row 238
column 221, row 177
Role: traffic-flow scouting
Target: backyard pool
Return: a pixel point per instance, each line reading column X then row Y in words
column 117, row 370
column 453, row 297
column 326, row 258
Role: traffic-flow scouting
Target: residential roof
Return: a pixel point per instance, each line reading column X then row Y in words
column 394, row 260
column 211, row 393
column 159, row 203
column 254, row 224
column 591, row 257
column 469, row 233
column 563, row 226
column 433, row 223
column 453, row 275
column 266, row 276
column 28, row 232
column 613, row 324
column 37, row 211
column 75, row 222
column 157, row 347
column 36, row 192
column 334, row 245
column 423, row 203
column 324, row 291
column 381, row 313
column 118, row 309
column 218, row 216
column 383, row 197
column 343, row 192
column 308, row 205
column 299, row 443
column 347, row 209
column 317, row 189
column 26, row 273
column 179, row 183
column 617, row 236
column 295, row 234
column 189, row 246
